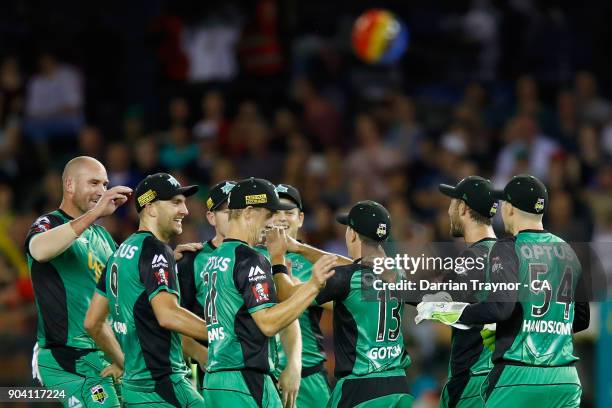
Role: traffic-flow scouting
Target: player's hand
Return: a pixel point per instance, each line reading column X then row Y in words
column 114, row 370
column 289, row 385
column 276, row 242
column 448, row 313
column 112, row 199
column 438, row 297
column 191, row 247
column 323, row 269
column 488, row 336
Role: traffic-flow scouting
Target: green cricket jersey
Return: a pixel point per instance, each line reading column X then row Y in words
column 239, row 283
column 468, row 354
column 192, row 278
column 535, row 323
column 367, row 334
column 139, row 269
column 63, row 286
column 313, row 353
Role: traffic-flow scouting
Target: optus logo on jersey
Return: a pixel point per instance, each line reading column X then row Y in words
column 217, row 263
column 94, row 265
column 127, row 251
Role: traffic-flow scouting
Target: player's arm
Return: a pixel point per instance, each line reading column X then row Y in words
column 501, row 303
column 278, row 243
column 50, row 241
column 195, row 350
column 289, row 379
column 582, row 311
column 96, row 324
column 271, row 317
column 313, row 254
column 156, row 267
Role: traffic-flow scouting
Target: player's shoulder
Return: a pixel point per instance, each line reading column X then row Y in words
column 49, row 220
column 150, row 244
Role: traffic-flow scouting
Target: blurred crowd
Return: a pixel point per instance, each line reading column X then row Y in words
column 323, row 125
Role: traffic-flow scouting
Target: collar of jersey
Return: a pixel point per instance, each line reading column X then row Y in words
column 235, row 240
column 483, row 240
column 542, row 231
column 59, row 210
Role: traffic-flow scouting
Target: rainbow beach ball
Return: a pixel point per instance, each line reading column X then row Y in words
column 379, row 37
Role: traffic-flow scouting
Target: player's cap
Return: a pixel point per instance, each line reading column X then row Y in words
column 291, row 193
column 476, row 192
column 526, row 193
column 160, row 186
column 219, row 194
column 255, row 192
column 368, row 218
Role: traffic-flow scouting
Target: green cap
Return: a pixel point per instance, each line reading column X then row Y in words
column 476, row 192
column 369, row 219
column 526, row 193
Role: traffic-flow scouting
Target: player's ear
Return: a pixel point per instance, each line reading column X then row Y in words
column 463, row 208
column 210, row 217
column 69, row 185
column 301, row 219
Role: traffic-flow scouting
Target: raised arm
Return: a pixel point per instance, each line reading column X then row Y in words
column 47, row 240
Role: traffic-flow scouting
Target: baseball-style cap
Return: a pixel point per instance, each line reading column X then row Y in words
column 255, row 192
column 291, row 193
column 526, row 193
column 476, row 192
column 160, row 186
column 368, row 218
column 219, row 194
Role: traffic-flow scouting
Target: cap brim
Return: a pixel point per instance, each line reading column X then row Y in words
column 188, row 190
column 343, row 219
column 499, row 195
column 280, row 207
column 448, row 190
column 290, row 198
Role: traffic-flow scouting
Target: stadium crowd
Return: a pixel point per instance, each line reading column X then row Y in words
column 337, row 144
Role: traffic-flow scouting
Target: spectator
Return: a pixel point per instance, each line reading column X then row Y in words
column 90, row 142
column 524, row 142
column 54, row 102
column 592, row 108
column 180, row 151
column 372, row 158
column 11, row 91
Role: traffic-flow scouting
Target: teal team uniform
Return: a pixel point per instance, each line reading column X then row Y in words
column 155, row 371
column 239, row 283
column 470, row 362
column 194, row 288
column 368, row 341
column 534, row 354
column 69, row 359
column 314, row 388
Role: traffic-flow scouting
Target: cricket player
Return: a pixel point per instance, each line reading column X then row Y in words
column 241, row 308
column 66, row 253
column 314, row 389
column 471, row 208
column 368, row 341
column 538, row 307
column 140, row 289
column 191, row 265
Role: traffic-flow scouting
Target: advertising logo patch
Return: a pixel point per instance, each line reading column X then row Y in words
column 256, row 199
column 261, row 291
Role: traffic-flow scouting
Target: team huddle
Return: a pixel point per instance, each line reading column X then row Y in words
column 117, row 324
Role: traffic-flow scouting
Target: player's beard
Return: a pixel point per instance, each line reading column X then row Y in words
column 456, row 228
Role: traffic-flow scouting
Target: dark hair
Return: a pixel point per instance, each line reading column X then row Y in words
column 479, row 218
